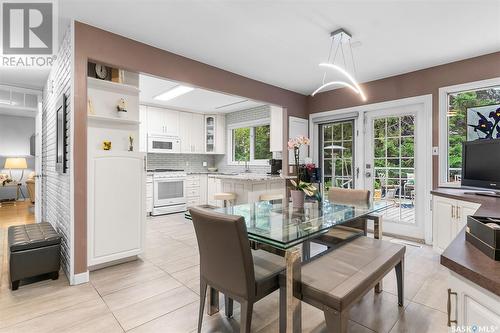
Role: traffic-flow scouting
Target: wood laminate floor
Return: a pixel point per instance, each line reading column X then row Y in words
column 159, row 293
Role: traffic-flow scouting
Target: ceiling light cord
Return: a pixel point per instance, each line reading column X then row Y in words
column 352, row 59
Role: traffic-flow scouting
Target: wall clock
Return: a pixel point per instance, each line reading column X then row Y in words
column 101, row 71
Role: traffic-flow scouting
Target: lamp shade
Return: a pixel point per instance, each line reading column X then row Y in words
column 15, row 163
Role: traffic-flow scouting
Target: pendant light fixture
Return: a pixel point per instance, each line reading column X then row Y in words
column 339, row 38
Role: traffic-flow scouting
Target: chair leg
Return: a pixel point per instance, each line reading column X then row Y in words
column 203, row 296
column 228, row 305
column 55, row 275
column 246, row 316
column 336, row 321
column 400, row 277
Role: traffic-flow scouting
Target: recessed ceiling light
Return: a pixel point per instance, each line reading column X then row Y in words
column 173, row 93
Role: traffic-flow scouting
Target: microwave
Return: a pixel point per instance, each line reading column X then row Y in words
column 164, row 144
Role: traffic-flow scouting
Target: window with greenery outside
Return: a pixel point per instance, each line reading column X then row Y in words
column 251, row 143
column 458, row 103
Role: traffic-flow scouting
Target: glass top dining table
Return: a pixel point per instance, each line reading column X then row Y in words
column 283, row 226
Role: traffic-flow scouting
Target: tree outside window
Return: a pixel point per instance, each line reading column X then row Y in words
column 251, row 143
column 458, row 103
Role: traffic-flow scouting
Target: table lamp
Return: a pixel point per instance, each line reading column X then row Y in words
column 16, row 163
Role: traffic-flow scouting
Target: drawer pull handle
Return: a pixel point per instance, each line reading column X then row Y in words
column 448, row 307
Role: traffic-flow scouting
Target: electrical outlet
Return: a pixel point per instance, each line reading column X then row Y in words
column 187, row 163
column 435, row 150
column 205, row 164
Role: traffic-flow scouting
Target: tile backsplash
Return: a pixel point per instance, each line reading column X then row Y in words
column 187, row 162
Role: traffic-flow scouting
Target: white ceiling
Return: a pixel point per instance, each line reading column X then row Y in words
column 282, row 42
column 197, row 100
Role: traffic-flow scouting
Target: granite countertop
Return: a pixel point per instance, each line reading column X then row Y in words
column 464, row 258
column 247, row 176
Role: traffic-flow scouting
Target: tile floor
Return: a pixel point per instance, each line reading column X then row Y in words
column 159, row 293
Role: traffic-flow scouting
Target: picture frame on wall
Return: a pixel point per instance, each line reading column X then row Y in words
column 483, row 122
column 61, row 135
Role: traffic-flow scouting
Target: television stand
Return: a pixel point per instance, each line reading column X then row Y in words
column 484, row 193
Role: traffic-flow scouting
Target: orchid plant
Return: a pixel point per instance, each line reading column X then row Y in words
column 295, row 144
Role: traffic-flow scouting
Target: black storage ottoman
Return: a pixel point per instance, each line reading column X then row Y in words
column 34, row 249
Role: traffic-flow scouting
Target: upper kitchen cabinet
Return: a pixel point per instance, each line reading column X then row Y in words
column 163, row 121
column 276, row 135
column 191, row 132
column 214, row 134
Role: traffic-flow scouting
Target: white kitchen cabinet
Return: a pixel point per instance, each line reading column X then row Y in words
column 163, row 121
column 449, row 216
column 472, row 305
column 203, row 189
column 276, row 129
column 214, row 186
column 215, row 126
column 116, row 222
column 191, row 132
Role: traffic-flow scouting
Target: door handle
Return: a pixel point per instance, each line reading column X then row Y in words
column 368, row 174
column 452, row 212
column 458, row 213
column 448, row 307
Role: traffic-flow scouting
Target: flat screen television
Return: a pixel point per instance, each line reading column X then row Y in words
column 481, row 164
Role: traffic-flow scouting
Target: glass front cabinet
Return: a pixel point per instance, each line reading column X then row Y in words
column 210, row 134
column 214, row 134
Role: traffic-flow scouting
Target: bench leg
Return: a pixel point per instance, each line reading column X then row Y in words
column 336, row 321
column 400, row 277
column 14, row 285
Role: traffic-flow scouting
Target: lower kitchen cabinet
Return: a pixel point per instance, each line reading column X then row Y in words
column 449, row 217
column 471, row 305
column 196, row 189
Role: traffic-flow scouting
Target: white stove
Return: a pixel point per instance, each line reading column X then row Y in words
column 169, row 191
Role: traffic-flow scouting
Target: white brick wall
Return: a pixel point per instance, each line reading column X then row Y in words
column 56, row 193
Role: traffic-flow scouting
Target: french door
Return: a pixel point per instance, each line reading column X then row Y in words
column 337, row 153
column 394, row 166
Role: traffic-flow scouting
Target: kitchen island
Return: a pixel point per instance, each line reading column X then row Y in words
column 247, row 186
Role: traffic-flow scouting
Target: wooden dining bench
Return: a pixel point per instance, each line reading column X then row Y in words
column 338, row 279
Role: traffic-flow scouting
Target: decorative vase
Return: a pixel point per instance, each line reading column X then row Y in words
column 297, row 198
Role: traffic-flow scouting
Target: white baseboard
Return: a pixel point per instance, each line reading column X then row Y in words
column 79, row 278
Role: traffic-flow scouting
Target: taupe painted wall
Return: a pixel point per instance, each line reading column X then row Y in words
column 422, row 82
column 92, row 43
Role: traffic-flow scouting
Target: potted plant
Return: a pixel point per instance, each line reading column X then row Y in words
column 300, row 188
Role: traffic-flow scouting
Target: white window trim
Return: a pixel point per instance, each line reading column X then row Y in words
column 443, row 121
column 231, row 127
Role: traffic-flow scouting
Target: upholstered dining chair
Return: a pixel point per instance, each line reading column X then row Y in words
column 351, row 229
column 228, row 265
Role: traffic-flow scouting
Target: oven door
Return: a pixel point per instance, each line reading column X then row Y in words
column 169, row 191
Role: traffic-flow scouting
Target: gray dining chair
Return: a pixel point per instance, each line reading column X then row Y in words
column 351, row 229
column 228, row 265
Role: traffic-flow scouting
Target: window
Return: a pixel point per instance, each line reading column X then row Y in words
column 250, row 143
column 465, row 110
column 337, row 153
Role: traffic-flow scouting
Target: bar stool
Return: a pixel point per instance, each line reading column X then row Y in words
column 270, row 196
column 227, row 197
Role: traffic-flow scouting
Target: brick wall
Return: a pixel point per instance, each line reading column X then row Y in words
column 56, row 193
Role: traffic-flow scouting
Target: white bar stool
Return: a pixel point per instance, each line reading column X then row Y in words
column 227, row 197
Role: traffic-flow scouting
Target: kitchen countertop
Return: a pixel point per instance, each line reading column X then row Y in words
column 247, row 176
column 462, row 257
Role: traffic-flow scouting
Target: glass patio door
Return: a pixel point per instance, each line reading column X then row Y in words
column 336, row 153
column 391, row 172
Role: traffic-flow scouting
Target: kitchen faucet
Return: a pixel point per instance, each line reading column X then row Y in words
column 247, row 168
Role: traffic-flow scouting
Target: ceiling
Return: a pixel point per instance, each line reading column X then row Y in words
column 197, row 100
column 282, row 42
